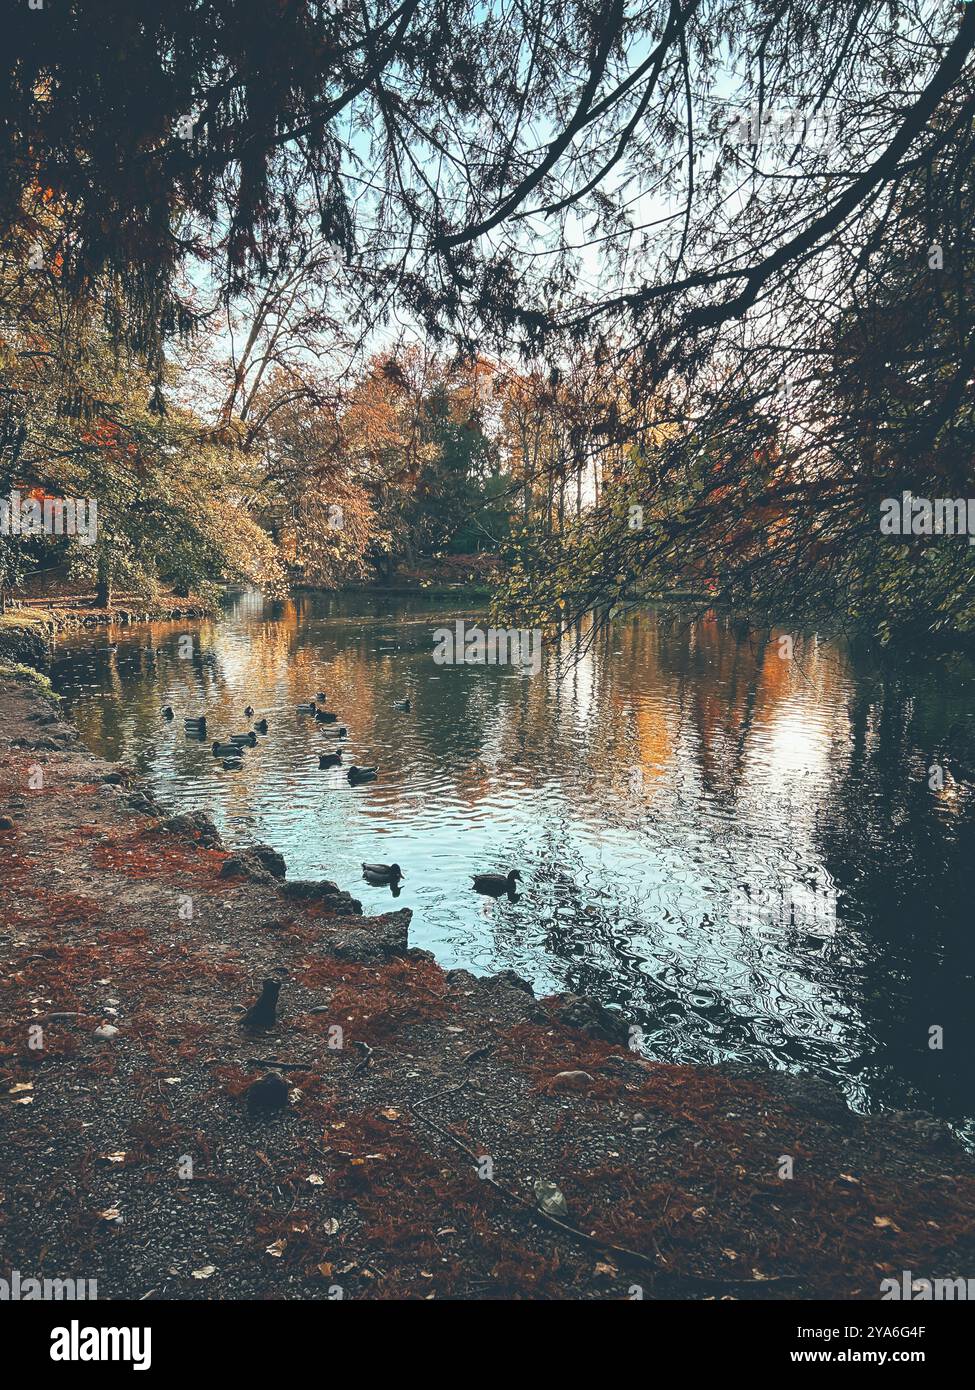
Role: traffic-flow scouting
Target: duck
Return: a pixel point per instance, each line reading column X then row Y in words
column 382, row 872
column 403, row 705
column 248, row 711
column 330, row 759
column 232, row 765
column 325, row 716
column 321, row 697
column 496, row 884
column 111, row 647
column 261, row 726
column 263, row 1012
column 362, row 774
column 307, row 709
column 195, row 721
column 250, row 738
column 226, row 750
column 340, row 732
column 167, row 712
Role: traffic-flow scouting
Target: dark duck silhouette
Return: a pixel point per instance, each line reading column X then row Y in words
column 496, row 884
column 264, row 1011
column 330, row 759
column 261, row 726
column 362, row 774
column 226, row 750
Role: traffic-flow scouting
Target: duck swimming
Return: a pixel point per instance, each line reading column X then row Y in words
column 321, row 697
column 325, row 716
column 307, row 709
column 261, row 726
column 403, row 705
column 330, row 759
column 226, row 750
column 340, row 732
column 362, row 774
column 382, row 873
column 167, row 712
column 249, row 738
column 496, row 884
column 248, row 711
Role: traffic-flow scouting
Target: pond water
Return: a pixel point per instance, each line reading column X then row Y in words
column 741, row 851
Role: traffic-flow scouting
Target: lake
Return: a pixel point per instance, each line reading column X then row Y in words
column 741, row 851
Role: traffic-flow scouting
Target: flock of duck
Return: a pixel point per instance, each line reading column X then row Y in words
column 230, row 753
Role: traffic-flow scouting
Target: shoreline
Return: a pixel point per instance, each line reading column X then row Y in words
column 403, row 1162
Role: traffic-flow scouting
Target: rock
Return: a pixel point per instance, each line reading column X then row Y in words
column 271, row 859
column 514, row 980
column 550, row 1200
column 259, row 863
column 196, row 826
column 268, row 1092
column 324, row 891
column 375, row 938
column 106, row 1030
column 576, row 1011
column 571, row 1081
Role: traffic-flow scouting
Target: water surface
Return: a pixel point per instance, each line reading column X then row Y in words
column 740, row 851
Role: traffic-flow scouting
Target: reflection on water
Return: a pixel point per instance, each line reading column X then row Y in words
column 742, row 852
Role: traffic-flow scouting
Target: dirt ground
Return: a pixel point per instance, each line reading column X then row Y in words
column 413, row 1111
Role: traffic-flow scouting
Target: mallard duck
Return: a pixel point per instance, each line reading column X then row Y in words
column 339, row 732
column 261, row 726
column 362, row 774
column 325, row 716
column 232, row 764
column 167, row 712
column 382, row 873
column 496, row 884
column 307, row 709
column 403, row 705
column 329, row 759
column 226, row 750
column 112, row 647
column 250, row 738
column 195, row 721
column 321, row 697
column 248, row 711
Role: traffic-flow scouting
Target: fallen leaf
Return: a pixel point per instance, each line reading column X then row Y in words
column 277, row 1249
column 315, row 1179
column 21, row 1086
column 205, row 1272
column 111, row 1214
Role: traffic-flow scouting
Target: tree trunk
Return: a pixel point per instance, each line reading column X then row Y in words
column 103, row 586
